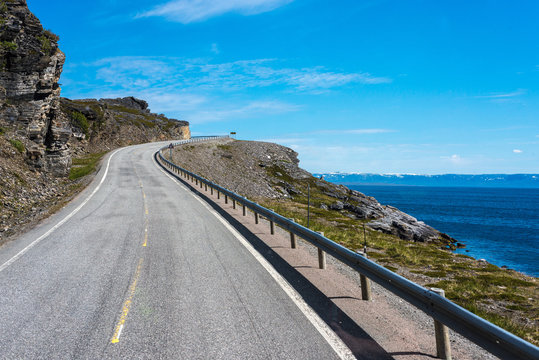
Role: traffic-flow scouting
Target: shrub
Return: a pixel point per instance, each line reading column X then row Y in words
column 46, row 45
column 8, row 46
column 80, row 121
column 52, row 36
column 17, row 144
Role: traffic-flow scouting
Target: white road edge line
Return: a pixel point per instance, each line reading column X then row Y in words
column 327, row 333
column 63, row 221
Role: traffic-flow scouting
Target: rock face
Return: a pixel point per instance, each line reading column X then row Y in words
column 261, row 170
column 30, row 67
column 100, row 125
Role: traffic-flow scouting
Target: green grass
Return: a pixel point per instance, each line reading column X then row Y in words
column 224, row 147
column 80, row 121
column 2, row 131
column 467, row 283
column 504, row 297
column 46, row 45
column 17, row 144
column 8, row 46
column 85, row 165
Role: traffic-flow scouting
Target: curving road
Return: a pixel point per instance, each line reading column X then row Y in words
column 138, row 268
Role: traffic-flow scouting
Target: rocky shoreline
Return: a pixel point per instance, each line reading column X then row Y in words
column 270, row 175
column 266, row 170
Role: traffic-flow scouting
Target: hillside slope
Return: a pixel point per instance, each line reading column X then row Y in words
column 269, row 174
column 49, row 144
column 261, row 170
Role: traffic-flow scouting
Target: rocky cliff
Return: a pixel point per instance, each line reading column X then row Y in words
column 50, row 129
column 30, row 67
column 261, row 170
column 100, row 125
column 40, row 132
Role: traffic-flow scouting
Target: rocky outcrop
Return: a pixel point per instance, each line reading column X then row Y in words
column 261, row 170
column 100, row 125
column 30, row 67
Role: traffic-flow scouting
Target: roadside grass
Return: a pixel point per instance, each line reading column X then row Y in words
column 85, row 165
column 503, row 297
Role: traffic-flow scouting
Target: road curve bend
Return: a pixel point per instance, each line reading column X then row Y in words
column 137, row 267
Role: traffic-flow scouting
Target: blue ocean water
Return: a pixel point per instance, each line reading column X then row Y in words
column 499, row 225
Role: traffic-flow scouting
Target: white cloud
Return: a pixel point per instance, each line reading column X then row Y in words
column 285, row 140
column 355, row 131
column 198, row 91
column 512, row 94
column 517, row 151
column 252, row 109
column 188, row 11
column 129, row 71
column 215, row 49
column 454, row 159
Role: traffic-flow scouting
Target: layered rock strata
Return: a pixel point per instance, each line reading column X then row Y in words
column 30, row 67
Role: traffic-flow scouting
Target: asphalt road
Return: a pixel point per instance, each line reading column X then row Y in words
column 144, row 270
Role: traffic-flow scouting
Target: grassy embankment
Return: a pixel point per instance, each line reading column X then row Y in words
column 85, row 165
column 501, row 296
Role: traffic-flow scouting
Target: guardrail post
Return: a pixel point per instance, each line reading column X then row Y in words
column 243, row 209
column 196, row 181
column 443, row 346
column 293, row 243
column 205, row 187
column 218, row 194
column 321, row 255
column 201, row 184
column 365, row 283
column 272, row 225
column 211, row 189
column 256, row 218
column 226, row 199
column 233, row 203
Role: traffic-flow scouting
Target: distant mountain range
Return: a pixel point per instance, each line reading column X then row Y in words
column 487, row 180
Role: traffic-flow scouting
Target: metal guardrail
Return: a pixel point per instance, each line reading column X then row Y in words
column 492, row 338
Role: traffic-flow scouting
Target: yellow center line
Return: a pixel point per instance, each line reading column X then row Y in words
column 145, row 237
column 127, row 304
column 146, row 212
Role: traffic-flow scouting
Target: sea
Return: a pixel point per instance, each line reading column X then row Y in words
column 500, row 225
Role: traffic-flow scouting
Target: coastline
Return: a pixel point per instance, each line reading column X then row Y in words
column 500, row 225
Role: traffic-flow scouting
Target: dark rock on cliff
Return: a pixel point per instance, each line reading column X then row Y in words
column 30, row 67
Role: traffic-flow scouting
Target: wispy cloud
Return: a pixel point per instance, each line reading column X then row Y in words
column 188, row 11
column 238, row 75
column 251, row 109
column 285, row 140
column 517, row 151
column 215, row 49
column 512, row 94
column 354, row 131
column 453, row 159
column 201, row 91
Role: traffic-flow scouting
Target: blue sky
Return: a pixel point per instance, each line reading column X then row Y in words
column 417, row 86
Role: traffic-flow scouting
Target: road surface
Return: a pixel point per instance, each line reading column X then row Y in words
column 138, row 268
